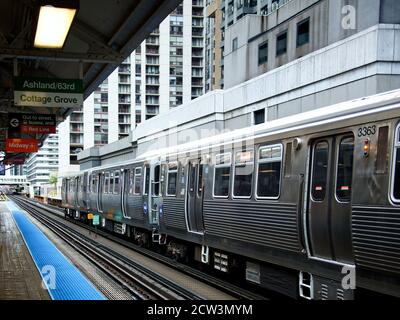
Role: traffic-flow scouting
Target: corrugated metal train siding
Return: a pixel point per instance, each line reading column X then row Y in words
column 136, row 206
column 376, row 237
column 174, row 212
column 268, row 224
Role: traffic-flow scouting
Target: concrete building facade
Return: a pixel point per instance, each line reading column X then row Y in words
column 42, row 164
column 165, row 71
column 353, row 64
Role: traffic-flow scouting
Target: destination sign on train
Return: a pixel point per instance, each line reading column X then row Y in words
column 48, row 92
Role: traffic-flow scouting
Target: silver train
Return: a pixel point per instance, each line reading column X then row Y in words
column 308, row 206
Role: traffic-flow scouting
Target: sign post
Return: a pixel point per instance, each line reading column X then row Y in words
column 96, row 222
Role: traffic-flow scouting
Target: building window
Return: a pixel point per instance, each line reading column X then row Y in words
column 222, row 172
column 269, row 172
column 303, row 32
column 172, row 178
column 263, row 53
column 281, row 44
column 259, row 116
column 243, row 177
column 234, row 44
column 396, row 168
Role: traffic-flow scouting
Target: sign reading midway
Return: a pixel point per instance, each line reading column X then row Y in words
column 21, row 145
column 47, row 92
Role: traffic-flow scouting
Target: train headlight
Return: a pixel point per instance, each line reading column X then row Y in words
column 366, row 147
column 161, row 210
column 145, row 208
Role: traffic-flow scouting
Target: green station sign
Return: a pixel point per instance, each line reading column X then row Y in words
column 47, row 92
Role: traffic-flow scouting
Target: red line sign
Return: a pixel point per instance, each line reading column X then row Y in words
column 38, row 129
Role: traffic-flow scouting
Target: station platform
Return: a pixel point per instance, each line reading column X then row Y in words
column 29, row 259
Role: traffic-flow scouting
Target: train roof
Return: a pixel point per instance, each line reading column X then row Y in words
column 314, row 118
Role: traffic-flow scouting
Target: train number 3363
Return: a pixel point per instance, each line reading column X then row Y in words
column 366, row 131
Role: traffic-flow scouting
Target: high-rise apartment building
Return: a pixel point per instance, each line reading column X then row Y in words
column 221, row 14
column 165, row 71
column 39, row 166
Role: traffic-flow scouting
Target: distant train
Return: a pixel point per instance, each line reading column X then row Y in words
column 308, row 205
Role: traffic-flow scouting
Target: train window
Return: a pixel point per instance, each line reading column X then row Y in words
column 111, row 185
column 116, row 182
column 172, row 178
column 156, row 182
column 382, row 151
column 106, row 182
column 138, row 177
column 146, row 180
column 243, row 176
column 200, row 182
column 288, row 159
column 269, row 172
column 94, row 183
column 396, row 168
column 222, row 172
column 320, row 171
column 345, row 169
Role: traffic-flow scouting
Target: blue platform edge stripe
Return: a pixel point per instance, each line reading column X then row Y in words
column 69, row 282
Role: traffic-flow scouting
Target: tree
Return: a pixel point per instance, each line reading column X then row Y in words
column 53, row 178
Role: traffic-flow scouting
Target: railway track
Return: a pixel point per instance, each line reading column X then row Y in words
column 231, row 289
column 141, row 283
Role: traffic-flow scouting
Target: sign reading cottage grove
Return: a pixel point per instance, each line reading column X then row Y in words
column 47, row 92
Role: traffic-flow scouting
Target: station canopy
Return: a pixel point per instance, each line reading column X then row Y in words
column 101, row 36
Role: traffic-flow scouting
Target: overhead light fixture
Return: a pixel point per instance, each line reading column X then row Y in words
column 53, row 24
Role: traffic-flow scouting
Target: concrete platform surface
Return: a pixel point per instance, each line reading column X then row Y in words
column 19, row 277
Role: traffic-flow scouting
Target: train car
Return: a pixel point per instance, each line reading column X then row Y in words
column 307, row 205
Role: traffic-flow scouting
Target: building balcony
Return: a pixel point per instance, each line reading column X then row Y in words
column 124, row 70
column 152, row 92
column 197, row 54
column 198, row 3
column 152, row 52
column 152, row 103
column 197, row 34
column 197, row 83
column 124, row 110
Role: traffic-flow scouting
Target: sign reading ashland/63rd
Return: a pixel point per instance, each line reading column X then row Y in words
column 47, row 92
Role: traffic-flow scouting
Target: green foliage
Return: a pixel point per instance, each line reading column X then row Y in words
column 53, row 178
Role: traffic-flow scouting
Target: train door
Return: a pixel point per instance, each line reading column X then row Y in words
column 76, row 191
column 329, row 198
column 194, row 196
column 84, row 190
column 155, row 198
column 99, row 187
column 126, row 176
column 88, row 191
